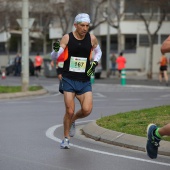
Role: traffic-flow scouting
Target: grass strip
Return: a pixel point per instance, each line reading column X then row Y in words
column 136, row 122
column 14, row 89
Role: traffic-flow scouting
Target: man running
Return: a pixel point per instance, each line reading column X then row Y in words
column 77, row 47
column 38, row 64
column 154, row 133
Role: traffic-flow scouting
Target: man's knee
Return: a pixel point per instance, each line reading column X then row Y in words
column 70, row 113
column 86, row 111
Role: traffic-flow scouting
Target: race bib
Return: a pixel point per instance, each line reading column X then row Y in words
column 60, row 64
column 78, row 64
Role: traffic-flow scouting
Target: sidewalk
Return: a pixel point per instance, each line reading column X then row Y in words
column 135, row 75
column 22, row 94
column 92, row 130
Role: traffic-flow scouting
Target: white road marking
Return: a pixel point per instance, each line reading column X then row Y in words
column 134, row 86
column 166, row 95
column 147, row 87
column 98, row 95
column 129, row 99
column 50, row 134
column 119, row 135
column 20, row 102
column 53, row 101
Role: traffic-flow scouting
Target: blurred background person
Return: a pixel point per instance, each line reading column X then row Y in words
column 113, row 63
column 121, row 61
column 163, row 69
column 38, row 64
column 17, row 63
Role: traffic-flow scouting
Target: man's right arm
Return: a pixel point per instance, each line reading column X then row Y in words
column 165, row 48
column 63, row 44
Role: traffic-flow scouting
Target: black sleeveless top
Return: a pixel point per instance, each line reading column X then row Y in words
column 77, row 61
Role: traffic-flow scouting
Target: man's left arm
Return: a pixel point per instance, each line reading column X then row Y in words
column 97, row 55
column 96, row 48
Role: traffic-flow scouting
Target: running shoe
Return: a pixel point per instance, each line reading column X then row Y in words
column 72, row 129
column 65, row 144
column 152, row 142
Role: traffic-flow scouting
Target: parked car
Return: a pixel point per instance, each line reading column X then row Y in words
column 10, row 68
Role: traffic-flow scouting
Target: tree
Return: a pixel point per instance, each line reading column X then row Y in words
column 43, row 12
column 97, row 14
column 151, row 11
column 59, row 13
column 8, row 19
column 65, row 13
column 115, row 15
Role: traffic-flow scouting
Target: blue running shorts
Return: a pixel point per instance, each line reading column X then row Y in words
column 77, row 87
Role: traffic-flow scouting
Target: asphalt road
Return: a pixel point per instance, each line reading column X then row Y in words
column 31, row 128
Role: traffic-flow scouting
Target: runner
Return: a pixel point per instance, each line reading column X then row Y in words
column 154, row 133
column 163, row 69
column 78, row 68
column 121, row 61
column 38, row 63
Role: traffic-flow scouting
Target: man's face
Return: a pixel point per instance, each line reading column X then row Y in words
column 82, row 28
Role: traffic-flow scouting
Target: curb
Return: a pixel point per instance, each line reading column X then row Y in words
column 92, row 130
column 22, row 94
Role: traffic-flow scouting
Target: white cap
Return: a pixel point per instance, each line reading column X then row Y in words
column 83, row 17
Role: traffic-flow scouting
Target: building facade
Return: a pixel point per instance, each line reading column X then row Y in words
column 123, row 26
column 132, row 33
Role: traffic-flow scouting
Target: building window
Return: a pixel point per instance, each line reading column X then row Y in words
column 113, row 43
column 2, row 47
column 143, row 40
column 130, row 43
column 163, row 38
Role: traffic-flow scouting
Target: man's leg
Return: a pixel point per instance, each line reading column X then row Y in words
column 86, row 108
column 155, row 134
column 36, row 71
column 86, row 103
column 114, row 68
column 69, row 105
column 16, row 70
column 119, row 73
column 160, row 77
column 165, row 76
column 165, row 130
column 152, row 142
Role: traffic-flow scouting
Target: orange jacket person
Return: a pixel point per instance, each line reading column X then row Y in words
column 163, row 69
column 38, row 63
column 121, row 61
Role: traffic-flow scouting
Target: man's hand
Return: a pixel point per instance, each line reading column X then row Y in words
column 91, row 70
column 52, row 63
column 56, row 46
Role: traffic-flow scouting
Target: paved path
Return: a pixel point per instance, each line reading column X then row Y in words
column 92, row 130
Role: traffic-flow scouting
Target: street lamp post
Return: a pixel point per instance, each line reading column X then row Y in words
column 108, row 41
column 25, row 45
